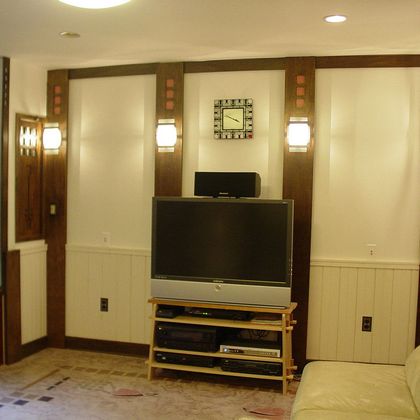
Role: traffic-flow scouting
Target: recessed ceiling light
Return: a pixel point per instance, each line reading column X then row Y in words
column 335, row 18
column 67, row 34
column 94, row 4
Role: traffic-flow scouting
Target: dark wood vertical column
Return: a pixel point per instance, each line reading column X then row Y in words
column 6, row 300
column 55, row 208
column 5, row 80
column 169, row 104
column 297, row 185
column 418, row 315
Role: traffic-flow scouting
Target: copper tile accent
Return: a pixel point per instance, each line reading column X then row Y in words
column 170, row 83
column 300, row 103
column 300, row 91
column 169, row 105
column 300, row 79
column 170, row 94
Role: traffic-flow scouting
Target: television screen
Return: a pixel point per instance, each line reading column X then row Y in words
column 243, row 242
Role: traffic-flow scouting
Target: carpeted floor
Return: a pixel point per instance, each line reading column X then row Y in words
column 70, row 384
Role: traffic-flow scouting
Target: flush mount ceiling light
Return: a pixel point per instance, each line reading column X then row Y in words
column 94, row 4
column 335, row 18
column 67, row 34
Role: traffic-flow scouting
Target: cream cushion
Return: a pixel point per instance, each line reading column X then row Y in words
column 412, row 373
column 343, row 390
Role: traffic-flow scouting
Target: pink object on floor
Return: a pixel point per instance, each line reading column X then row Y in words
column 125, row 392
column 274, row 413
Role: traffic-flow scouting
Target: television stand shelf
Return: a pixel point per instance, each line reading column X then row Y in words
column 283, row 327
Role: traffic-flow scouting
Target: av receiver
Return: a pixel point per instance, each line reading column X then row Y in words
column 187, row 337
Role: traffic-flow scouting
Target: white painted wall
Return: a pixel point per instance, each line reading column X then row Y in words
column 367, row 165
column 263, row 154
column 111, row 160
column 366, row 191
column 28, row 95
column 110, row 188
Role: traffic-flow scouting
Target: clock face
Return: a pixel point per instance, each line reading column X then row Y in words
column 233, row 119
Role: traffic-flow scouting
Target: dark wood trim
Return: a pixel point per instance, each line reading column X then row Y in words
column 297, row 185
column 168, row 164
column 55, row 193
column 1, row 327
column 113, row 71
column 33, row 347
column 5, row 80
column 4, row 159
column 418, row 314
column 13, row 336
column 367, row 61
column 105, row 346
column 250, row 64
column 235, row 65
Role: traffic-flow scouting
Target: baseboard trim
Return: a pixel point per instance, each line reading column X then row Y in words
column 33, row 347
column 105, row 346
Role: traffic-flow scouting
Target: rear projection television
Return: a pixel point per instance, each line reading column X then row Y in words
column 222, row 250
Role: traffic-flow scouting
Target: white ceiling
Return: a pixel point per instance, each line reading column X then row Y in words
column 145, row 31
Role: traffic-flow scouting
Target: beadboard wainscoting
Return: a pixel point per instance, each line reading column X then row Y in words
column 120, row 275
column 33, row 289
column 342, row 292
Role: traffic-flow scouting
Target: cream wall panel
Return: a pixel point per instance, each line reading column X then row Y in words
column 367, row 165
column 348, row 290
column 138, row 319
column 77, row 303
column 384, row 281
column 314, row 312
column 111, row 161
column 121, row 276
column 402, row 289
column 346, row 313
column 262, row 154
column 33, row 293
column 364, row 307
column 413, row 309
column 329, row 313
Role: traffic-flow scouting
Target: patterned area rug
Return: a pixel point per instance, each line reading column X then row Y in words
column 69, row 384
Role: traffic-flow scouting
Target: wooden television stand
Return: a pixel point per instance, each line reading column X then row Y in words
column 284, row 328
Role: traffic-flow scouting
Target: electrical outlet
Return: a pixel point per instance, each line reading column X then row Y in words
column 104, row 305
column 106, row 238
column 367, row 323
column 371, row 248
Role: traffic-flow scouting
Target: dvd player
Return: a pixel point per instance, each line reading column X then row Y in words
column 218, row 313
column 251, row 366
column 184, row 359
column 251, row 348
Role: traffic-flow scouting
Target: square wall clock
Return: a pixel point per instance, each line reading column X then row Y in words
column 233, row 119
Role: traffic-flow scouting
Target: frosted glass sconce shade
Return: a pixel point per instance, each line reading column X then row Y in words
column 298, row 134
column 51, row 137
column 166, row 133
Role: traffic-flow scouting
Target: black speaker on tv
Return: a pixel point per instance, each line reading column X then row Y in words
column 227, row 184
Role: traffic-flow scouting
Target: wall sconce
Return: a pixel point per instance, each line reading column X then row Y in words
column 51, row 138
column 298, row 134
column 28, row 139
column 166, row 135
